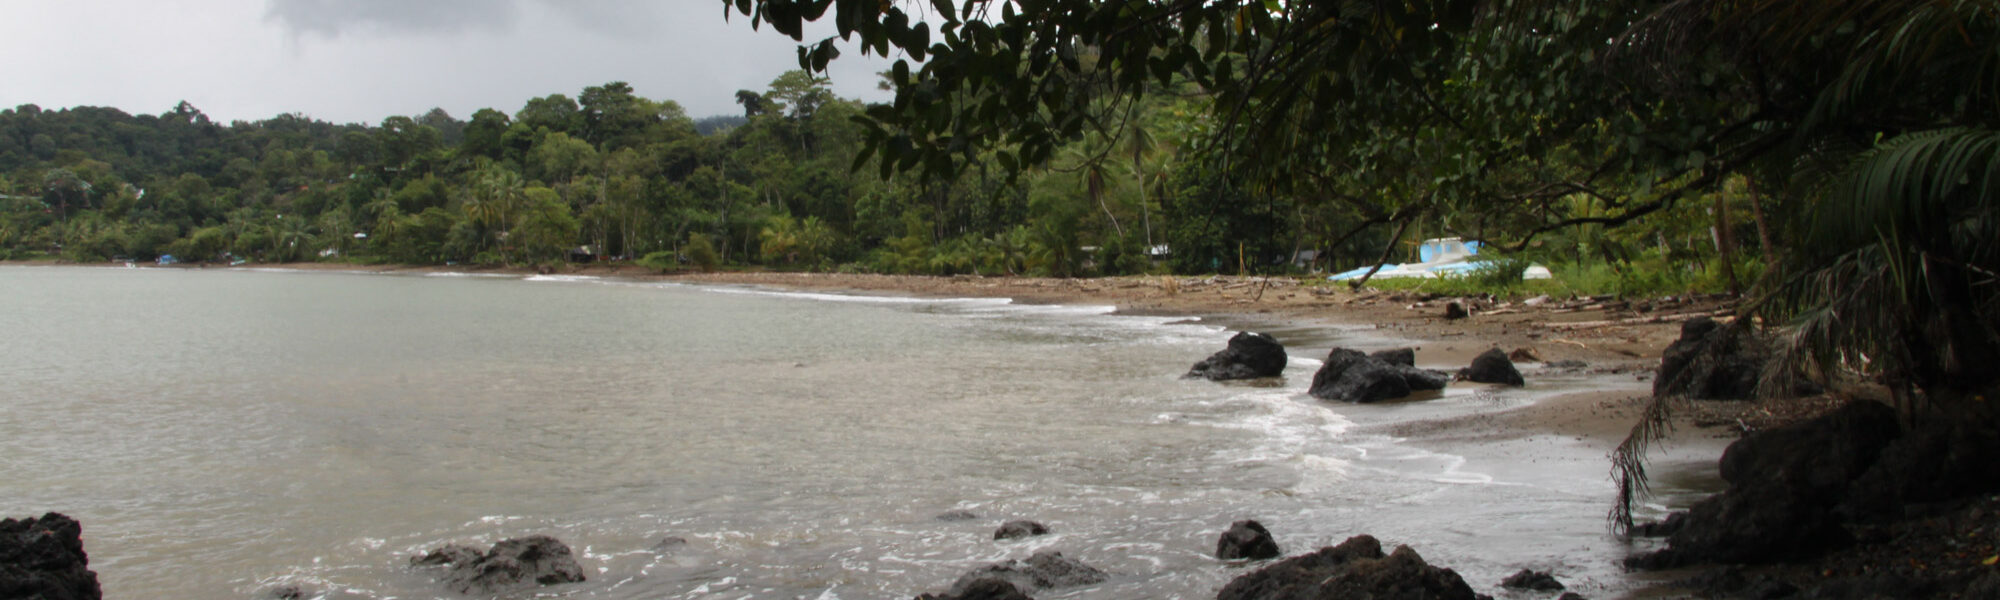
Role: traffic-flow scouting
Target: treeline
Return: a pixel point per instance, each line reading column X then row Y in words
column 610, row 175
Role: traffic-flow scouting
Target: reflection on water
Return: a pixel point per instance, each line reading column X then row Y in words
column 219, row 433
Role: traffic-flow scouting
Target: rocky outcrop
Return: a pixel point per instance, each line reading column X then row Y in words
column 1250, row 355
column 509, row 565
column 1526, row 579
column 1938, row 460
column 1712, row 362
column 1492, row 366
column 43, row 559
column 1246, row 539
column 1043, row 570
column 1354, row 570
column 1350, row 376
column 1784, row 484
column 1019, row 529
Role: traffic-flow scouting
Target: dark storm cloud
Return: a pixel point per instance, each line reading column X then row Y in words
column 332, row 18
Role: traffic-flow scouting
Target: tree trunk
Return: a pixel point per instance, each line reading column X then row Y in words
column 1725, row 245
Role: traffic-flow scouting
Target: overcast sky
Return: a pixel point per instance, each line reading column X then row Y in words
column 363, row 60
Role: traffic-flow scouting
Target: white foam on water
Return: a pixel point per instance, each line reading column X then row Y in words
column 563, row 278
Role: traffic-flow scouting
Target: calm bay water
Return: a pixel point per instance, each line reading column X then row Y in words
column 220, row 433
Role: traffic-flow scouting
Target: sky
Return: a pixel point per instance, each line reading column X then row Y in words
column 360, row 61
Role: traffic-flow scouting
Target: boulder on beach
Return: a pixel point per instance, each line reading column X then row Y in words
column 510, row 564
column 1396, row 356
column 43, row 559
column 1019, row 529
column 1044, row 570
column 1350, row 376
column 1528, row 579
column 1246, row 539
column 1250, row 355
column 1711, row 361
column 1784, row 484
column 1492, row 366
column 1354, row 570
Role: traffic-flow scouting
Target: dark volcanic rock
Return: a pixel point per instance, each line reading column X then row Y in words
column 1250, row 355
column 1043, row 570
column 1713, row 362
column 1246, row 539
column 449, row 554
column 1350, row 376
column 1939, row 460
column 1784, row 485
column 984, row 588
column 1397, row 356
column 511, row 564
column 1492, row 366
column 1019, row 529
column 1354, row 570
column 43, row 559
column 1526, row 579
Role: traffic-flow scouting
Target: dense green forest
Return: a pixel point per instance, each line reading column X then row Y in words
column 611, row 176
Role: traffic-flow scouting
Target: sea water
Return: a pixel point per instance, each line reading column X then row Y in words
column 224, row 433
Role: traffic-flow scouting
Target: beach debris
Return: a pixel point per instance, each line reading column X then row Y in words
column 510, row 564
column 43, row 558
column 288, row 592
column 1455, row 310
column 1492, row 366
column 1246, row 539
column 1019, row 529
column 1354, row 569
column 983, row 588
column 1528, row 579
column 1044, row 570
column 1250, row 355
column 1350, row 376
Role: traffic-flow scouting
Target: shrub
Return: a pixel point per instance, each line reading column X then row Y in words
column 662, row 261
column 702, row 252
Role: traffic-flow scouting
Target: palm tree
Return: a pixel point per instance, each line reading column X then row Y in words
column 1897, row 276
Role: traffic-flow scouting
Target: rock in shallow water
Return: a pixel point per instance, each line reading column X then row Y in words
column 511, row 564
column 1354, row 570
column 1350, row 376
column 1044, row 570
column 1250, row 355
column 1532, row 580
column 1019, row 529
column 1492, row 366
column 43, row 559
column 987, row 588
column 1246, row 539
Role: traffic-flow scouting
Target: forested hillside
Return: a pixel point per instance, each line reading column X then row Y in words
column 610, row 176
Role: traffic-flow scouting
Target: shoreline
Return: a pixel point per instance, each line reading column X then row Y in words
column 1314, row 315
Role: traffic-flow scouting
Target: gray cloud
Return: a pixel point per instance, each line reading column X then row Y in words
column 333, row 18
